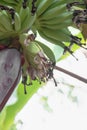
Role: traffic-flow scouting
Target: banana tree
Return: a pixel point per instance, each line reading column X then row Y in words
column 27, row 62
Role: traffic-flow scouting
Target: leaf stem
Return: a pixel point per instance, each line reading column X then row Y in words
column 71, row 74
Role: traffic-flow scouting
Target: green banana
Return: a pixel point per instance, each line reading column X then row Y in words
column 31, row 20
column 30, row 50
column 28, row 22
column 63, row 45
column 4, row 33
column 2, row 29
column 10, row 1
column 27, row 19
column 24, row 13
column 60, row 35
column 57, row 3
column 33, row 47
column 57, row 20
column 61, row 25
column 3, row 3
column 51, row 40
column 42, row 6
column 39, row 6
column 15, row 4
column 5, row 21
column 54, row 12
column 17, row 22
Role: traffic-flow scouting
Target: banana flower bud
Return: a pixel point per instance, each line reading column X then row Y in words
column 37, row 65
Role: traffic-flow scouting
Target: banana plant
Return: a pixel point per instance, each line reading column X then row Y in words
column 31, row 61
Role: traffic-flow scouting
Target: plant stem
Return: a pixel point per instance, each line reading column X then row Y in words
column 71, row 74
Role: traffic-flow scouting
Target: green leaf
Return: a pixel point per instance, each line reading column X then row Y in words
column 47, row 51
column 2, row 118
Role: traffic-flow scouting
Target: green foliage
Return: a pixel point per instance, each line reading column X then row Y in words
column 47, row 51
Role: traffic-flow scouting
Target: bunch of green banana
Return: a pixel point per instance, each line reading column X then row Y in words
column 52, row 20
column 27, row 19
column 7, row 28
column 38, row 62
column 13, row 22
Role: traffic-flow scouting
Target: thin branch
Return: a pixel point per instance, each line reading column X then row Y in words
column 71, row 74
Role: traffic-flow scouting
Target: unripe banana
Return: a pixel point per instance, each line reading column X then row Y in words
column 54, row 12
column 5, row 21
column 32, row 19
column 57, row 3
column 58, row 19
column 59, row 35
column 30, row 48
column 42, row 6
column 27, row 19
column 58, row 26
column 17, row 22
column 24, row 12
column 11, row 3
column 14, row 2
column 3, row 3
column 2, row 28
column 64, row 46
column 51, row 40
